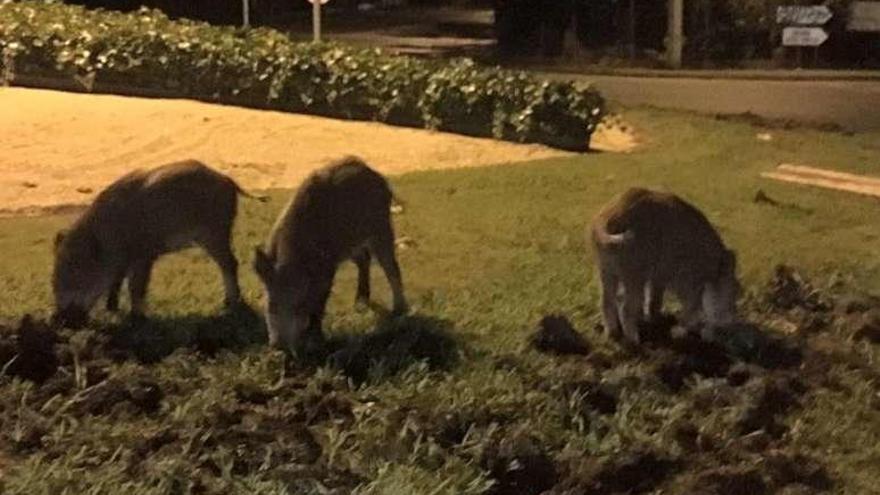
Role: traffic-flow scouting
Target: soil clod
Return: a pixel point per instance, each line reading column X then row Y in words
column 556, row 335
column 788, row 289
column 730, row 481
column 634, row 472
column 520, row 467
column 34, row 357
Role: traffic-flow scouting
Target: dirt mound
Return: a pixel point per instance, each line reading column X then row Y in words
column 869, row 327
column 520, row 466
column 767, row 399
column 556, row 335
column 729, row 481
column 28, row 352
column 796, row 469
column 137, row 395
column 691, row 355
column 788, row 289
column 634, row 472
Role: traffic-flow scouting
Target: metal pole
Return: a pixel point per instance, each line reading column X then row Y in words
column 245, row 13
column 675, row 36
column 316, row 20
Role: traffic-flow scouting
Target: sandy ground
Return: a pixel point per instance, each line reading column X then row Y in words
column 60, row 149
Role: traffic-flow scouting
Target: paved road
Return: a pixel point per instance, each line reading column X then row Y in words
column 855, row 105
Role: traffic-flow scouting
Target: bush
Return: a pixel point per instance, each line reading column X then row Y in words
column 264, row 68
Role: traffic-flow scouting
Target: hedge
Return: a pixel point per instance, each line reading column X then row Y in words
column 264, row 68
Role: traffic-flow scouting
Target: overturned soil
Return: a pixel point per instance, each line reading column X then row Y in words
column 61, row 149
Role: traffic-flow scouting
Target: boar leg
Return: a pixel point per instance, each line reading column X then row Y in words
column 361, row 258
column 633, row 309
column 311, row 342
column 220, row 251
column 113, row 293
column 610, row 302
column 138, row 280
column 383, row 249
column 691, row 301
column 656, row 289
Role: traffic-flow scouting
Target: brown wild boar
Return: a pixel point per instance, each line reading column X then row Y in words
column 340, row 212
column 650, row 241
column 138, row 218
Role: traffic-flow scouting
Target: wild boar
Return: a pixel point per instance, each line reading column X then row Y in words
column 132, row 222
column 340, row 212
column 648, row 241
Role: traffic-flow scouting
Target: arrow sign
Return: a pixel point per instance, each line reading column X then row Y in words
column 803, row 14
column 803, row 36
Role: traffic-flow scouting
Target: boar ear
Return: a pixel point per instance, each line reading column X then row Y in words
column 59, row 238
column 263, row 264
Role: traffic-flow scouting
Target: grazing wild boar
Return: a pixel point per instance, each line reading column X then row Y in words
column 649, row 241
column 138, row 218
column 341, row 211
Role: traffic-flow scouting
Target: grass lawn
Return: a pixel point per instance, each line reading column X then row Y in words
column 492, row 250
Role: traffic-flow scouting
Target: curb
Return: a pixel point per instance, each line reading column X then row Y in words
column 731, row 74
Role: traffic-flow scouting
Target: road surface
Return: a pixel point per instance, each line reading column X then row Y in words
column 854, row 105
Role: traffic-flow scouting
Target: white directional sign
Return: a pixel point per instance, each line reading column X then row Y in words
column 864, row 16
column 803, row 14
column 803, row 36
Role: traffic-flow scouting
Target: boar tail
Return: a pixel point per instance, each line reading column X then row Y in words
column 605, row 238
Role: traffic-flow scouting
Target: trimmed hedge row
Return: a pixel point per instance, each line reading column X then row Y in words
column 264, row 68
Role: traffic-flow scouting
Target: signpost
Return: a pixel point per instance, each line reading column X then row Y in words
column 245, row 13
column 804, row 28
column 316, row 19
column 675, row 33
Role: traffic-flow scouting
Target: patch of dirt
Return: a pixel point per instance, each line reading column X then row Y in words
column 868, row 328
column 29, row 351
column 788, row 289
column 768, row 399
column 519, row 466
column 729, row 481
column 265, row 443
column 785, row 469
column 634, row 472
column 60, row 149
column 691, row 355
column 556, row 335
column 613, row 135
column 141, row 395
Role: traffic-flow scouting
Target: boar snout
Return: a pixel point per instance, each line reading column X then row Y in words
column 71, row 316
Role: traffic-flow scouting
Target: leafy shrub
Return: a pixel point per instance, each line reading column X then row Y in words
column 264, row 68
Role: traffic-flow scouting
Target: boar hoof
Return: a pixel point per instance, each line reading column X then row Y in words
column 400, row 310
column 137, row 317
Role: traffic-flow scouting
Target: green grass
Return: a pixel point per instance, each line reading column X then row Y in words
column 495, row 249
